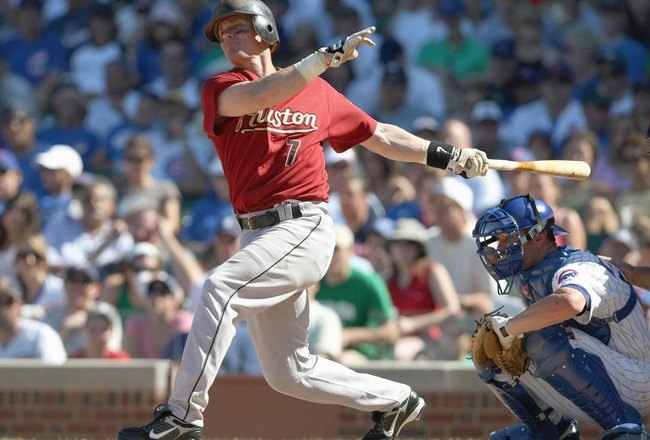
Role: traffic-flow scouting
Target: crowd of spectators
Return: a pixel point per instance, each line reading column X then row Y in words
column 114, row 207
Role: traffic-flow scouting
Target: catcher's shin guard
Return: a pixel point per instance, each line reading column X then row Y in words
column 522, row 432
column 536, row 424
column 626, row 431
column 579, row 376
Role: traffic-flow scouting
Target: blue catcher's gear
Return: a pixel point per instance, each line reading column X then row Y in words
column 522, row 432
column 577, row 375
column 625, row 431
column 501, row 232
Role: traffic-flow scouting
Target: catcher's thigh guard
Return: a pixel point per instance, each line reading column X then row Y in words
column 577, row 375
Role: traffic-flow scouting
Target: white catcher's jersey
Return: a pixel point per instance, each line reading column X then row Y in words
column 623, row 344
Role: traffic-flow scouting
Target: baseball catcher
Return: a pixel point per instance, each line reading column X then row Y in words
column 579, row 351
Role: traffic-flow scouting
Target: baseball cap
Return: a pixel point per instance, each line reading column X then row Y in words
column 390, row 51
column 8, row 161
column 428, row 123
column 162, row 282
column 610, row 61
column 15, row 111
column 82, row 273
column 215, row 168
column 144, row 248
column 504, row 49
column 228, row 225
column 595, row 96
column 611, row 5
column 409, row 229
column 61, row 157
column 332, row 157
column 451, row 7
column 165, row 12
column 487, row 111
column 457, row 191
column 344, row 236
column 625, row 237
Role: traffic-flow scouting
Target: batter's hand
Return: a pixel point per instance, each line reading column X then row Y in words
column 346, row 49
column 468, row 162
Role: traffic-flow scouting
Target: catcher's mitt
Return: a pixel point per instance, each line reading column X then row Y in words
column 487, row 349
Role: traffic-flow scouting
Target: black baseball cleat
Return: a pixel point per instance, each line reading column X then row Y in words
column 165, row 426
column 389, row 424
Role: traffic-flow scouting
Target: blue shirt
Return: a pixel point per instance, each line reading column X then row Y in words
column 33, row 60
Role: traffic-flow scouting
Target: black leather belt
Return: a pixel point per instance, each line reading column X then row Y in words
column 269, row 218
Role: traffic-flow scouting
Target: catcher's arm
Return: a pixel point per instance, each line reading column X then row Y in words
column 563, row 304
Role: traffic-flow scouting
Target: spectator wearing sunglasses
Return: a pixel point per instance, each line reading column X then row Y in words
column 148, row 334
column 22, row 338
column 42, row 291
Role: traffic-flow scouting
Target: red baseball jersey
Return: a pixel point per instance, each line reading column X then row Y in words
column 276, row 154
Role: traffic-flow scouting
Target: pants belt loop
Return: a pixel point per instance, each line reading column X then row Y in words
column 284, row 211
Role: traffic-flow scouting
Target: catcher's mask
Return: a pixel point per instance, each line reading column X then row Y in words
column 263, row 20
column 501, row 232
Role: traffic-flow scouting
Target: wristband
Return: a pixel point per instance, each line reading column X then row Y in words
column 311, row 66
column 439, row 154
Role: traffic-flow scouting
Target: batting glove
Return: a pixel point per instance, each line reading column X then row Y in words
column 499, row 327
column 346, row 49
column 468, row 162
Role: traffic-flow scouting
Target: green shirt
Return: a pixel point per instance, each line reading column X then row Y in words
column 362, row 300
column 467, row 58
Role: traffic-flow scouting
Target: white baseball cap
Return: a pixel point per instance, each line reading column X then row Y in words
column 332, row 157
column 144, row 248
column 215, row 168
column 459, row 192
column 487, row 111
column 344, row 236
column 61, row 157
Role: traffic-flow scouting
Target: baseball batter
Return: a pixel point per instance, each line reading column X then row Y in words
column 268, row 126
column 583, row 329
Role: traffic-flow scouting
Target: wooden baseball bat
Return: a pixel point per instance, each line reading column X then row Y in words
column 567, row 169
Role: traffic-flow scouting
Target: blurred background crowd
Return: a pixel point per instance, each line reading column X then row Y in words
column 114, row 207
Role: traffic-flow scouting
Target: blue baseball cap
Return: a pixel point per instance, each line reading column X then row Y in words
column 8, row 160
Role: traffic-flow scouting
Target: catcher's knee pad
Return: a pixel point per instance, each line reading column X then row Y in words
column 579, row 376
column 625, row 431
column 521, row 403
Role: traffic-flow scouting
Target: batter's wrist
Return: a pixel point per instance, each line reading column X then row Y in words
column 439, row 154
column 312, row 65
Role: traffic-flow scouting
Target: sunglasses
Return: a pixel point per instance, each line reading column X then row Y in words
column 158, row 288
column 23, row 255
column 6, row 301
column 138, row 159
column 74, row 277
column 634, row 157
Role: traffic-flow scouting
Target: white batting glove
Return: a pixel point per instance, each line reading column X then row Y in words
column 499, row 327
column 468, row 162
column 346, row 49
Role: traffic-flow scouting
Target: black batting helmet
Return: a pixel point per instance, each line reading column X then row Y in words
column 263, row 20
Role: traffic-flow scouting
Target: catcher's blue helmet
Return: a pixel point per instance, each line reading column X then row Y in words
column 501, row 232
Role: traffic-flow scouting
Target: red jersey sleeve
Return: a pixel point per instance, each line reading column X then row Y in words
column 349, row 125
